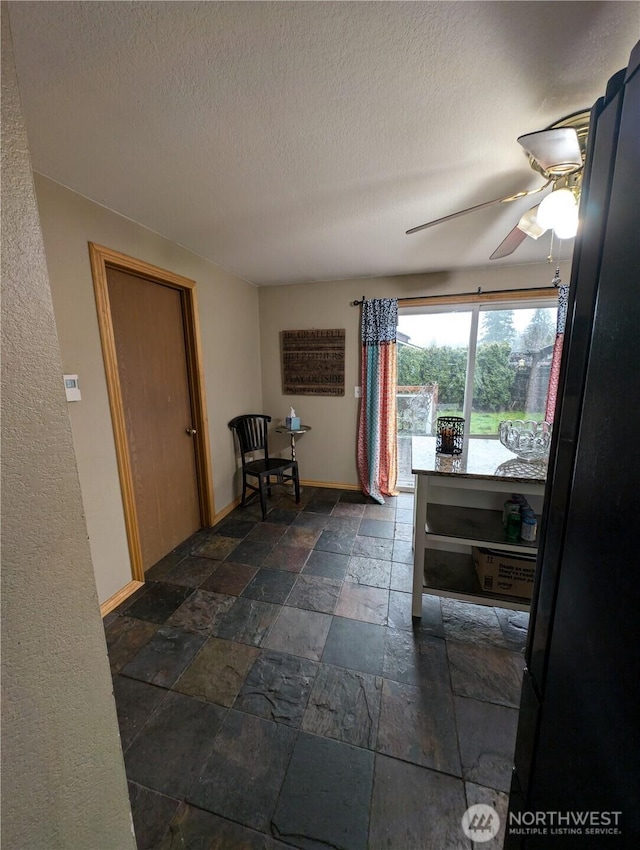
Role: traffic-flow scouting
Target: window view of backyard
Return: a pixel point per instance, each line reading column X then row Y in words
column 501, row 357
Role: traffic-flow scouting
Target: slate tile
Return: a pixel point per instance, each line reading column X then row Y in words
column 289, row 558
column 370, row 571
column 348, row 509
column 325, row 796
column 135, row 703
column 417, row 725
column 165, row 657
column 270, row 586
column 381, row 512
column 376, row 528
column 344, row 704
column 125, row 637
column 487, row 735
column 356, row 645
column 267, row 531
column 282, row 516
column 277, row 688
column 497, row 800
column 179, row 735
column 318, row 507
column 194, row 829
column 230, row 578
column 415, row 808
column 464, row 621
column 233, row 527
column 163, row 567
column 315, row 522
column 514, row 625
column 243, row 775
column 217, row 547
column 152, row 814
column 201, row 612
column 314, row 593
column 299, row 632
column 353, row 497
column 336, row 541
column 361, row 602
column 158, row 603
column 301, row 537
column 328, row 494
column 415, row 658
column 373, row 547
column 401, row 577
column 191, row 571
column 327, row 565
column 247, row 621
column 187, row 546
column 251, row 552
column 402, row 551
column 344, row 524
column 486, row 673
column 218, row 671
column 400, row 616
column 403, row 531
column 405, row 516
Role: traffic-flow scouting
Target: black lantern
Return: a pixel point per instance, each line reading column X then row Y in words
column 449, row 435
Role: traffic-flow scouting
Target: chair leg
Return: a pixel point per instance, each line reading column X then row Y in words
column 244, row 490
column 263, row 499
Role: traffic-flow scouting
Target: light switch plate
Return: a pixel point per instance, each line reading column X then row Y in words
column 357, row 392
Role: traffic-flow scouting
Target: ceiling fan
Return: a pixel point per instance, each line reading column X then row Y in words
column 558, row 154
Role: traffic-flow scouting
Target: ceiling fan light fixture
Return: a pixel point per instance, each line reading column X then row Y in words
column 530, row 225
column 559, row 211
column 568, row 227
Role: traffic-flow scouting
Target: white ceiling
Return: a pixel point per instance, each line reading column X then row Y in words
column 291, row 141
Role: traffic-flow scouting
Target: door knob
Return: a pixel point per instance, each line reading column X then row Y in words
column 190, row 431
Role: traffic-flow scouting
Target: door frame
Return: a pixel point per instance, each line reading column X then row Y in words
column 101, row 260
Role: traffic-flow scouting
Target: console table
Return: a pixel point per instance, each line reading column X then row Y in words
column 458, row 504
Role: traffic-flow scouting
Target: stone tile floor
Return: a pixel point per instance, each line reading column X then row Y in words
column 273, row 691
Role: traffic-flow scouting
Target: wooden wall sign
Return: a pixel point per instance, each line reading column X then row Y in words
column 313, row 362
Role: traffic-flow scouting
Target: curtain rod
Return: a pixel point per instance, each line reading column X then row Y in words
column 464, row 294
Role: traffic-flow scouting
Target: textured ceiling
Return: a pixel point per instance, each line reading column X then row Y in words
column 292, row 141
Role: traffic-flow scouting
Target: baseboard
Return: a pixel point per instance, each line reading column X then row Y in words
column 334, row 485
column 115, row 600
column 226, row 511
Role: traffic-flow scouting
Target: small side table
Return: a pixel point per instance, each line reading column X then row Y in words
column 282, row 429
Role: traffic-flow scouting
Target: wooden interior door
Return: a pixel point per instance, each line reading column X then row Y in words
column 148, row 329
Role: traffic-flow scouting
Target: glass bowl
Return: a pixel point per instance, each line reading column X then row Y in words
column 528, row 439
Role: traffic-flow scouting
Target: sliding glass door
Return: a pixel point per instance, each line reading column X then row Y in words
column 484, row 362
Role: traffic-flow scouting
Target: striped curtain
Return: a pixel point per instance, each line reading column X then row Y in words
column 552, row 392
column 377, row 452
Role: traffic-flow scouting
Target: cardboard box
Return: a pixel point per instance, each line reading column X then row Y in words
column 504, row 574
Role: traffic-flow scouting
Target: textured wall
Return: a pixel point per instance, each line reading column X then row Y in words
column 230, row 348
column 64, row 783
column 328, row 452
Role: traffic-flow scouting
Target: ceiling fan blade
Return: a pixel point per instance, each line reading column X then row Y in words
column 509, row 244
column 483, row 206
column 556, row 151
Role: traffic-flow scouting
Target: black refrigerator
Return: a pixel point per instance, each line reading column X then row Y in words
column 576, row 780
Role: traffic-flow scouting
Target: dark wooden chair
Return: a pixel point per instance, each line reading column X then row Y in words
column 251, row 431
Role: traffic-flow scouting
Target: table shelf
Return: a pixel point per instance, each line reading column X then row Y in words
column 473, row 526
column 453, row 575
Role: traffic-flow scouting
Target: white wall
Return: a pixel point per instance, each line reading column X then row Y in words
column 230, row 348
column 64, row 784
column 328, row 452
